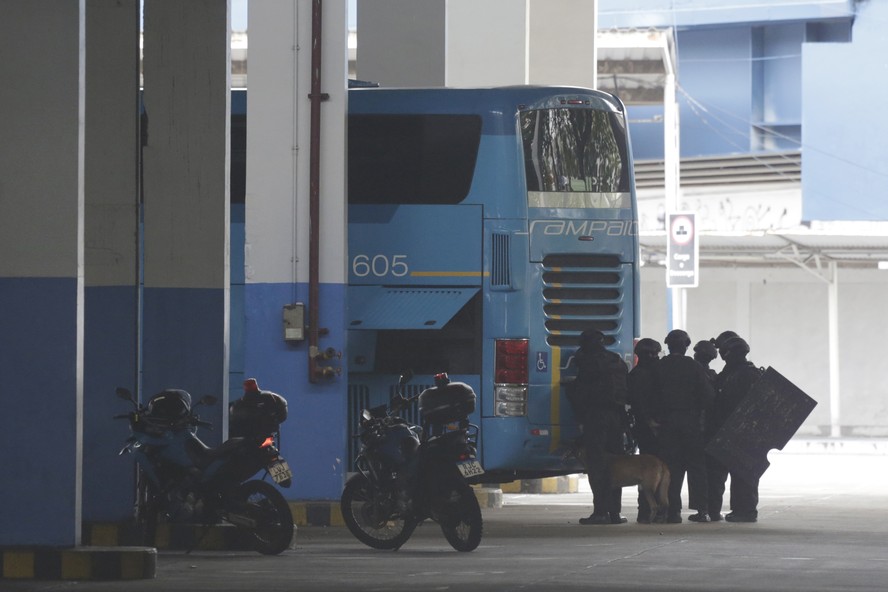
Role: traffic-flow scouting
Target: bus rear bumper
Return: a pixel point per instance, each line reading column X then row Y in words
column 514, row 448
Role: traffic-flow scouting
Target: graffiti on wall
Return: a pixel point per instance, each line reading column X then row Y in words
column 727, row 212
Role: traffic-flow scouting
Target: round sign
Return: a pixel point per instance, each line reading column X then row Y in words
column 682, row 230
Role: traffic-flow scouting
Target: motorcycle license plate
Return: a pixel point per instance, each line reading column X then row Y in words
column 470, row 468
column 280, row 471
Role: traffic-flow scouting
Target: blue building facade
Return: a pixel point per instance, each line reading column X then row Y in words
column 784, row 75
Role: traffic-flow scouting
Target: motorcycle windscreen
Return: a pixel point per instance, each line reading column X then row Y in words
column 767, row 418
column 381, row 307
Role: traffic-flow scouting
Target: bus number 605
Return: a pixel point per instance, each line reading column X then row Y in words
column 380, row 265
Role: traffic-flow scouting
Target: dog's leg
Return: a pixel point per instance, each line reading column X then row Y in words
column 662, row 492
column 648, row 488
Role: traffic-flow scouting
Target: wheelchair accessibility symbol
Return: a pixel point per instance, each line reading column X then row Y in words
column 542, row 361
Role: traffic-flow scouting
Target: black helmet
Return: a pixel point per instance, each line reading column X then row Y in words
column 705, row 350
column 678, row 338
column 170, row 405
column 647, row 345
column 734, row 345
column 722, row 338
column 591, row 338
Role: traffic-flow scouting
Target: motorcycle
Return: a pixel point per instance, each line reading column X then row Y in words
column 408, row 473
column 181, row 479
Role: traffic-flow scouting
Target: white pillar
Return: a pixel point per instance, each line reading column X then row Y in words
column 562, row 42
column 671, row 163
column 401, row 42
column 110, row 259
column 278, row 232
column 186, row 193
column 466, row 43
column 486, row 44
column 835, row 425
column 42, row 44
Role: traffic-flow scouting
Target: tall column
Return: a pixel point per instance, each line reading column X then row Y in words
column 278, row 229
column 561, row 42
column 186, row 212
column 41, row 271
column 401, row 42
column 111, row 231
column 835, row 399
column 466, row 43
column 486, row 43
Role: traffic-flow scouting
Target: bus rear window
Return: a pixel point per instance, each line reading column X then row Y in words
column 575, row 157
column 411, row 159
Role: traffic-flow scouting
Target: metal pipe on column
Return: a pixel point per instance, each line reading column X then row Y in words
column 835, row 412
column 316, row 97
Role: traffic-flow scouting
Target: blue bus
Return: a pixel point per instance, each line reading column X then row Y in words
column 487, row 229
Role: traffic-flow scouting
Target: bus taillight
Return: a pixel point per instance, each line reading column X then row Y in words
column 511, row 376
column 511, row 361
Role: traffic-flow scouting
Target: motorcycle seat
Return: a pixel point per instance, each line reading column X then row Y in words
column 202, row 455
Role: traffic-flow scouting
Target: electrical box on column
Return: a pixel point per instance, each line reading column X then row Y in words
column 294, row 322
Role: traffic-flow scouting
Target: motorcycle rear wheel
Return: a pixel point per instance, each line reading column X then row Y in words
column 361, row 514
column 460, row 517
column 262, row 504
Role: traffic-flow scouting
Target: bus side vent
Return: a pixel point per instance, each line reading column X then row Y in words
column 582, row 292
column 500, row 272
column 358, row 400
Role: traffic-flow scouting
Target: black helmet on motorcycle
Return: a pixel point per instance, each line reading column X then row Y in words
column 169, row 405
column 647, row 346
column 678, row 339
column 705, row 350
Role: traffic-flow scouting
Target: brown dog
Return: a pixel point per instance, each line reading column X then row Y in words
column 648, row 472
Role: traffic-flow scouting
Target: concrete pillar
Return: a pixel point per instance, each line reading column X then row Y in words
column 278, row 232
column 41, row 271
column 561, row 48
column 186, row 212
column 465, row 43
column 111, row 231
column 401, row 42
column 486, row 43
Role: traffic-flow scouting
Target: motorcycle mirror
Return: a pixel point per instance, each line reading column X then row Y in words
column 406, row 376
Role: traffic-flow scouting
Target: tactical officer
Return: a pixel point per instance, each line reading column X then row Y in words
column 600, row 401
column 686, row 393
column 719, row 341
column 643, row 401
column 732, row 385
column 704, row 352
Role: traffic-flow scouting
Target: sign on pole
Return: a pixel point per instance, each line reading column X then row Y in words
column 682, row 250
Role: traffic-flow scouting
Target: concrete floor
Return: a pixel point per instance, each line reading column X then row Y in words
column 823, row 524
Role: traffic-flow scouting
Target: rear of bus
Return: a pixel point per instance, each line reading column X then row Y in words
column 580, row 247
column 487, row 229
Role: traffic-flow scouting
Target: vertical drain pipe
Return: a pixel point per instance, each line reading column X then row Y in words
column 314, row 173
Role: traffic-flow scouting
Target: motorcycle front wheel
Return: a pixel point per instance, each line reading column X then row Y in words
column 460, row 516
column 370, row 519
column 264, row 515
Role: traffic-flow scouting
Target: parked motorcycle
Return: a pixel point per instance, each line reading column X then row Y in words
column 408, row 473
column 181, row 479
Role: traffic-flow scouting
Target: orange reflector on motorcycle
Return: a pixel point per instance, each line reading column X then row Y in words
column 269, row 441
